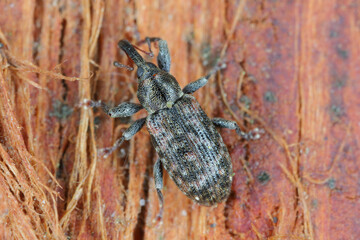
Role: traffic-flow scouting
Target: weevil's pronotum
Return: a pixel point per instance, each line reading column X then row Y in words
column 188, row 144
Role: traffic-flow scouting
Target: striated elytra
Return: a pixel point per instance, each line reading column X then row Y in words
column 189, row 146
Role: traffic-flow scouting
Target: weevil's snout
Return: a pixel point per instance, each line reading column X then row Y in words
column 145, row 69
column 131, row 52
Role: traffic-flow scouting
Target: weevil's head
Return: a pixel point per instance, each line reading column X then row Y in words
column 145, row 69
column 157, row 88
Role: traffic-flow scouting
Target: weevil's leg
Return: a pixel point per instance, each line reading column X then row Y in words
column 120, row 65
column 196, row 85
column 223, row 123
column 158, row 176
column 163, row 58
column 125, row 109
column 127, row 135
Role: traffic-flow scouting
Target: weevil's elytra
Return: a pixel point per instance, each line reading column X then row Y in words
column 192, row 151
column 188, row 144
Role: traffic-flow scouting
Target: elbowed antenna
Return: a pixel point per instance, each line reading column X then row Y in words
column 131, row 52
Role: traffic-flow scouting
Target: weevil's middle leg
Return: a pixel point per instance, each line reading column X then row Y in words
column 196, row 85
column 223, row 123
column 158, row 176
column 127, row 135
column 125, row 109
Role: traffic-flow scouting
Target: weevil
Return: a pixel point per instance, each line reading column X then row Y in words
column 186, row 140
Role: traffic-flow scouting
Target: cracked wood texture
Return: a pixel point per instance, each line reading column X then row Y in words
column 293, row 70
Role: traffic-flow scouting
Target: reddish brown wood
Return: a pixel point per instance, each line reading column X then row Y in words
column 292, row 69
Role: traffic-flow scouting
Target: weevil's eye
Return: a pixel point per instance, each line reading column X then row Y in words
column 140, row 72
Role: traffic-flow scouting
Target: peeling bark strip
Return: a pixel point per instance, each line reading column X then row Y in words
column 292, row 69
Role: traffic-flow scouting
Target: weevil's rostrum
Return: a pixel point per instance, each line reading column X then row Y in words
column 188, row 144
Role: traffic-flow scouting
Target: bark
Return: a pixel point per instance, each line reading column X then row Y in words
column 292, row 70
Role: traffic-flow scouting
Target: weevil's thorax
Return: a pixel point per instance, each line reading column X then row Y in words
column 158, row 90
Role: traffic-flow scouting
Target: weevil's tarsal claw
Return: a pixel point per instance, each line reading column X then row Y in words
column 242, row 134
column 158, row 177
column 256, row 133
column 119, row 65
column 159, row 217
column 127, row 135
column 129, row 49
column 161, row 199
column 148, row 41
column 93, row 104
column 87, row 103
column 105, row 152
column 218, row 67
column 251, row 135
column 163, row 58
column 164, row 63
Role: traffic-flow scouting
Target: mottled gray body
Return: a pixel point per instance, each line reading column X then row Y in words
column 186, row 140
column 192, row 151
column 159, row 91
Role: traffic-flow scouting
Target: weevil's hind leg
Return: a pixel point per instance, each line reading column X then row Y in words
column 196, row 85
column 127, row 135
column 251, row 135
column 125, row 109
column 158, row 176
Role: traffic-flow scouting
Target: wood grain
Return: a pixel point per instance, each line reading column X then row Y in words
column 292, row 70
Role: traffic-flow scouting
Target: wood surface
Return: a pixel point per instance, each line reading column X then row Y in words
column 293, row 70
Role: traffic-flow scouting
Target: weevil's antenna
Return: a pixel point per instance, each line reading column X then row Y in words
column 150, row 53
column 120, row 65
column 148, row 41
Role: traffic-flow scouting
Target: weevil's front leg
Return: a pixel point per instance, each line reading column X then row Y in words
column 127, row 135
column 196, row 85
column 164, row 58
column 125, row 109
column 158, row 176
column 223, row 123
